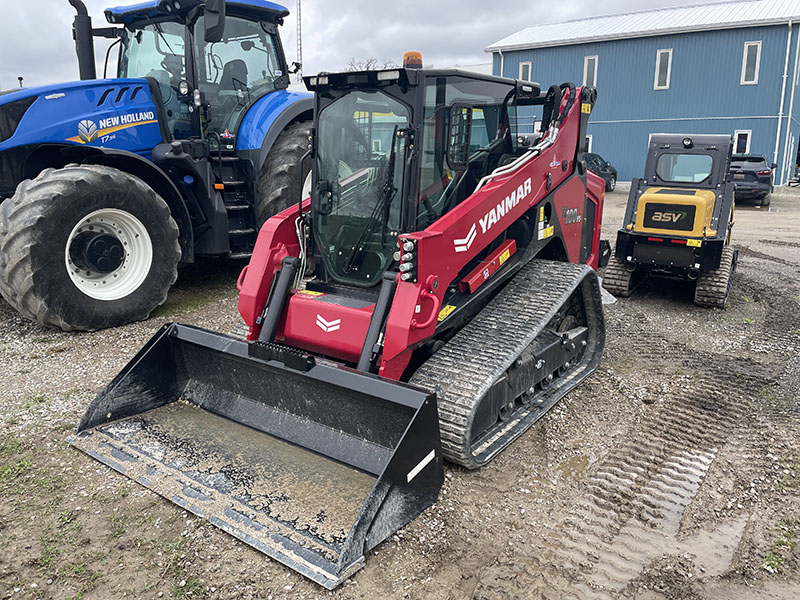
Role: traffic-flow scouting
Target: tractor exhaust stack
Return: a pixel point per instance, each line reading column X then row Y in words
column 84, row 40
column 312, row 464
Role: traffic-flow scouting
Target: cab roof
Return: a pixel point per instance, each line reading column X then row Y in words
column 151, row 9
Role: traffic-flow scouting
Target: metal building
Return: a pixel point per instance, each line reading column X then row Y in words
column 727, row 67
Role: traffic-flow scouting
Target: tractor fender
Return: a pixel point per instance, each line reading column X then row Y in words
column 57, row 155
column 267, row 119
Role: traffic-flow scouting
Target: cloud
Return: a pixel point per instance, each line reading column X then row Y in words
column 36, row 40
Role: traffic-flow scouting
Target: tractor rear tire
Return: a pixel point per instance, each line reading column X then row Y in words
column 617, row 278
column 279, row 184
column 714, row 287
column 86, row 247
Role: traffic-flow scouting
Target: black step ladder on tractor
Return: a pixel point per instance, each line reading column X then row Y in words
column 239, row 195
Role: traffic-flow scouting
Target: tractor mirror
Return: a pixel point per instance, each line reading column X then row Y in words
column 773, row 166
column 214, row 20
column 460, row 136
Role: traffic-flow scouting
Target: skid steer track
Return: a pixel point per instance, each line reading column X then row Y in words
column 496, row 377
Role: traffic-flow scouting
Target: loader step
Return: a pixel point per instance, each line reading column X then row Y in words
column 536, row 340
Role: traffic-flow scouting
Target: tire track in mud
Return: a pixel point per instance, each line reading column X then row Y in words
column 635, row 503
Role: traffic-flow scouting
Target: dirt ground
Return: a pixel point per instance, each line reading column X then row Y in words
column 672, row 473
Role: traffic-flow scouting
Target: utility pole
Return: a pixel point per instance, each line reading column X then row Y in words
column 299, row 43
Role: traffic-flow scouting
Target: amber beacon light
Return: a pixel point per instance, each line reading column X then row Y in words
column 412, row 60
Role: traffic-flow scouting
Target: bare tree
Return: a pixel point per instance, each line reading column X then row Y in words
column 370, row 64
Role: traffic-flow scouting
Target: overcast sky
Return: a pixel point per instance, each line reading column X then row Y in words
column 36, row 41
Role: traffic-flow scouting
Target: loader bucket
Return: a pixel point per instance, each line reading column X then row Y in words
column 312, row 464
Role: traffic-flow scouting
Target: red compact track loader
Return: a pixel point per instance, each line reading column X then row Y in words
column 433, row 298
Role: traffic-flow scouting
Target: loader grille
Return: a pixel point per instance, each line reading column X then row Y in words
column 679, row 217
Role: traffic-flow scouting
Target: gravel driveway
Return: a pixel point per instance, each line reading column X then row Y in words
column 672, row 473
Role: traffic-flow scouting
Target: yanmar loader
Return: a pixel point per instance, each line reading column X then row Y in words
column 453, row 302
column 679, row 219
column 106, row 185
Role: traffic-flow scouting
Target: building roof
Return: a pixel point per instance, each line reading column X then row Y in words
column 698, row 17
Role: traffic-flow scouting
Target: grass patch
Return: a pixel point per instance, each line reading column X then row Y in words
column 119, row 525
column 86, row 578
column 12, row 465
column 33, row 402
column 782, row 546
column 179, row 307
column 189, row 588
column 747, row 321
column 184, row 585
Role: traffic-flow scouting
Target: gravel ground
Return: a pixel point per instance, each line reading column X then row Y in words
column 672, row 473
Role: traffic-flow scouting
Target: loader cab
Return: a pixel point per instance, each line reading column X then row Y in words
column 206, row 87
column 688, row 161
column 393, row 152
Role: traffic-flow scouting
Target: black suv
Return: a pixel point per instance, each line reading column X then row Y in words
column 752, row 177
column 600, row 166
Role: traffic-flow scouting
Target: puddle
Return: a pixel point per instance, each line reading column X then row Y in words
column 574, row 466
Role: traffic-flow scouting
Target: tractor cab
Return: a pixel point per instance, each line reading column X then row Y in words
column 208, row 75
column 395, row 151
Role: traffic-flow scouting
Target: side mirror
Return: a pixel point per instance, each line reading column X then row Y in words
column 773, row 166
column 248, row 45
column 607, row 164
column 214, row 20
column 295, row 67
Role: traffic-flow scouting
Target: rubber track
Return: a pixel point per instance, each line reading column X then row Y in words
column 616, row 278
column 714, row 286
column 465, row 368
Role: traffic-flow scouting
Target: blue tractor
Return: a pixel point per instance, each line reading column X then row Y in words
column 108, row 184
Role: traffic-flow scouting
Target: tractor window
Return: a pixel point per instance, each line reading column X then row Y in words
column 684, row 168
column 234, row 73
column 468, row 127
column 157, row 50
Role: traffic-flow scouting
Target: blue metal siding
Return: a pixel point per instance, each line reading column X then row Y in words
column 705, row 94
column 625, row 144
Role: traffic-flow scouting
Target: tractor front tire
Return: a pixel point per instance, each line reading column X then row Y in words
column 86, row 247
column 284, row 173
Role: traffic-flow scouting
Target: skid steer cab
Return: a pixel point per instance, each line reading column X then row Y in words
column 679, row 219
column 107, row 185
column 431, row 300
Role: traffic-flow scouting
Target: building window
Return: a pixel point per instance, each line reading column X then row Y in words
column 751, row 62
column 525, row 71
column 590, row 70
column 741, row 141
column 663, row 69
column 376, row 145
column 588, row 142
